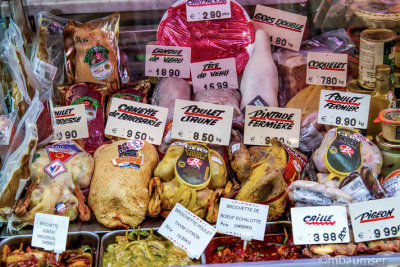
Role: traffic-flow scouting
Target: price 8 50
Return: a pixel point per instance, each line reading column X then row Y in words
column 387, row 231
column 167, row 72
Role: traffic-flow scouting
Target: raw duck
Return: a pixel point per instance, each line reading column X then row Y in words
column 119, row 190
column 259, row 84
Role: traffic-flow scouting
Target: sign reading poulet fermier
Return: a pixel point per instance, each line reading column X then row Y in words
column 198, row 10
column 286, row 29
column 71, row 123
column 167, row 61
column 265, row 123
column 202, row 122
column 135, row 120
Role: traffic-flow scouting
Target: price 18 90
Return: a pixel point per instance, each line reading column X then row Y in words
column 167, row 72
column 387, row 231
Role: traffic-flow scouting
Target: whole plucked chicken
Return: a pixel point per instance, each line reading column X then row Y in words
column 58, row 173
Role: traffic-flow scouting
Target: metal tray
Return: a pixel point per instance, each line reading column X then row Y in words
column 74, row 240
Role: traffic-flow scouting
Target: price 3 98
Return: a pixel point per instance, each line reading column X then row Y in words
column 330, row 237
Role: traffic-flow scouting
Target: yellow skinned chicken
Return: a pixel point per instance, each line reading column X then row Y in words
column 190, row 174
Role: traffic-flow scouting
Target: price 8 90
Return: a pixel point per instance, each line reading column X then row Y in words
column 346, row 121
column 167, row 72
column 68, row 135
column 387, row 232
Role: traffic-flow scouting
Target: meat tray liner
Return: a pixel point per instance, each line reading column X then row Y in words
column 74, row 240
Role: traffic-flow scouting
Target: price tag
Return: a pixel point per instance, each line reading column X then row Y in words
column 214, row 74
column 202, row 122
column 244, row 219
column 131, row 119
column 344, row 109
column 375, row 219
column 187, row 231
column 198, row 10
column 326, row 69
column 320, row 225
column 50, row 232
column 167, row 61
column 264, row 123
column 71, row 123
column 286, row 29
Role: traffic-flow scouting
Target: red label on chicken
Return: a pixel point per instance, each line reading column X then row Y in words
column 62, row 151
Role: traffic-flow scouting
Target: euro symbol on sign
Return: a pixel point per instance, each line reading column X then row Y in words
column 180, row 133
column 252, row 139
column 192, row 16
column 323, row 118
column 114, row 130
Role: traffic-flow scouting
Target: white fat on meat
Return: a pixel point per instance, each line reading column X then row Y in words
column 260, row 77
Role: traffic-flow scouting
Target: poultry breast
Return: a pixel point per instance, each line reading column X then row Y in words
column 58, row 173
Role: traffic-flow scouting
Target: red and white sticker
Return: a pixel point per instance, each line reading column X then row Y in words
column 198, row 10
column 61, row 208
column 286, row 29
column 326, row 69
column 167, row 61
column 135, row 144
column 214, row 74
column 195, row 162
column 55, row 168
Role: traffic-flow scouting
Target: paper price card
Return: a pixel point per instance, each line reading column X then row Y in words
column 344, row 109
column 326, row 69
column 202, row 122
column 214, row 74
column 187, row 231
column 71, row 123
column 167, row 61
column 130, row 119
column 244, row 219
column 264, row 123
column 320, row 225
column 50, row 232
column 375, row 219
column 198, row 10
column 286, row 29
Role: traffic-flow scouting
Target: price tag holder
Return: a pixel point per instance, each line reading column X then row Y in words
column 202, row 122
column 375, row 219
column 320, row 225
column 71, row 123
column 198, row 10
column 286, row 29
column 167, row 61
column 131, row 119
column 344, row 109
column 326, row 69
column 264, row 123
column 187, row 231
column 214, row 74
column 50, row 232
column 242, row 219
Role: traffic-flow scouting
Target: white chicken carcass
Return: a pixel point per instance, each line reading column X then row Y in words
column 260, row 77
column 45, row 191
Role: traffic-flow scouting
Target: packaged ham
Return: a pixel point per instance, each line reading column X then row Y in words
column 227, row 97
column 91, row 51
column 210, row 39
column 93, row 97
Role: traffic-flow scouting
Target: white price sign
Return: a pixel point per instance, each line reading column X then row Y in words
column 344, row 109
column 187, row 231
column 71, row 123
column 320, row 225
column 202, row 122
column 244, row 219
column 135, row 120
column 198, row 10
column 326, row 69
column 286, row 29
column 264, row 123
column 214, row 74
column 167, row 61
column 375, row 219
column 50, row 232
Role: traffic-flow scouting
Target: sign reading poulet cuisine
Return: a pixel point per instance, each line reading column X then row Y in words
column 131, row 119
column 264, row 123
column 71, row 122
column 202, row 122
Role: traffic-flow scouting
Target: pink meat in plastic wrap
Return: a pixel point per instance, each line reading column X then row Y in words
column 211, row 39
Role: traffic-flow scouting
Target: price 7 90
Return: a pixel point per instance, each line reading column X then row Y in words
column 387, row 231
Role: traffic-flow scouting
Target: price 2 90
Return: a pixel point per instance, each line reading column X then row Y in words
column 387, row 231
column 167, row 72
column 212, row 15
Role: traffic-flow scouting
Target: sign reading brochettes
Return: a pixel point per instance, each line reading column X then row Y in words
column 286, row 29
column 326, row 69
column 198, row 10
column 71, row 123
column 202, row 122
column 264, row 123
column 344, row 109
column 134, row 120
column 167, row 61
column 375, row 219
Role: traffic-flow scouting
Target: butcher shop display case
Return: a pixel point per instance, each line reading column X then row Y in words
column 199, row 132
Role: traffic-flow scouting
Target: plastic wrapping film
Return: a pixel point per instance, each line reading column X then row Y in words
column 209, row 40
column 228, row 97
